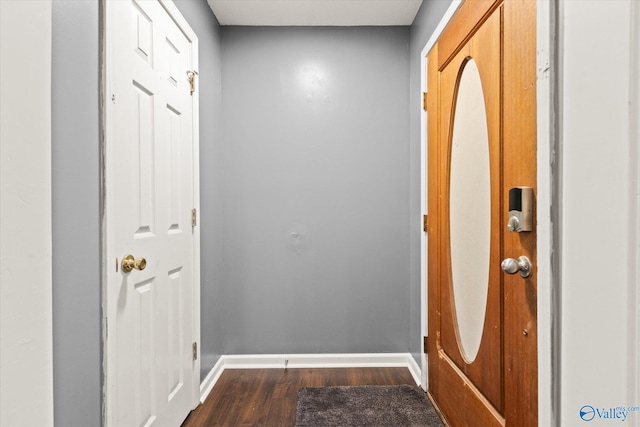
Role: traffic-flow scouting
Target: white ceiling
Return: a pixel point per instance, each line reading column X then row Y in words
column 315, row 12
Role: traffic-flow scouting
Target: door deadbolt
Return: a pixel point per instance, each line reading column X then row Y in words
column 520, row 209
column 129, row 263
column 521, row 265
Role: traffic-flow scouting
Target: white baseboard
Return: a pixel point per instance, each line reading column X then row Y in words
column 348, row 360
column 210, row 380
column 415, row 370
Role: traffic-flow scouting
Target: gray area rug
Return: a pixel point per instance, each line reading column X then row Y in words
column 378, row 406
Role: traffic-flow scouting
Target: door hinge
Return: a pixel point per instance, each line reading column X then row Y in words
column 424, row 101
column 194, row 347
column 194, row 217
column 425, row 223
column 426, row 346
column 191, row 75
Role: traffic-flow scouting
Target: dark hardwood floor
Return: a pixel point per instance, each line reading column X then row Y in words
column 268, row 397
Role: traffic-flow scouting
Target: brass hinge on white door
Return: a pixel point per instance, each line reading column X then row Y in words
column 191, row 75
column 424, row 101
column 194, row 217
column 194, row 347
column 425, row 223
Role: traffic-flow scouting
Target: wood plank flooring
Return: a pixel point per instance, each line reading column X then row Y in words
column 268, row 397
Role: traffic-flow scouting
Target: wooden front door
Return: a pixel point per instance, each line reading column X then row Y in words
column 482, row 142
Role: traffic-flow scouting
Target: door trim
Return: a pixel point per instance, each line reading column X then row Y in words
column 107, row 239
column 424, row 238
column 547, row 206
column 635, row 132
column 548, row 214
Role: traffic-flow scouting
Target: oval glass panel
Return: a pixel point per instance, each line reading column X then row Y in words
column 470, row 210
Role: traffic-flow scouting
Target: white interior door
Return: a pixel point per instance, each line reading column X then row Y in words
column 150, row 146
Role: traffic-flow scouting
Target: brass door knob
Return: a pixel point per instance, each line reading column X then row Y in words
column 129, row 263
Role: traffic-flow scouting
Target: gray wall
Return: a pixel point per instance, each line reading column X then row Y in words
column 428, row 17
column 204, row 23
column 316, row 190
column 77, row 351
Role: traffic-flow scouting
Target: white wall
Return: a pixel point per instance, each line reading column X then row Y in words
column 26, row 379
column 598, row 134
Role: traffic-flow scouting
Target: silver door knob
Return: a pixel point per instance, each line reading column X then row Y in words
column 521, row 265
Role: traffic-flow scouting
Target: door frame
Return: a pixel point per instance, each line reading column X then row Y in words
column 107, row 235
column 547, row 211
